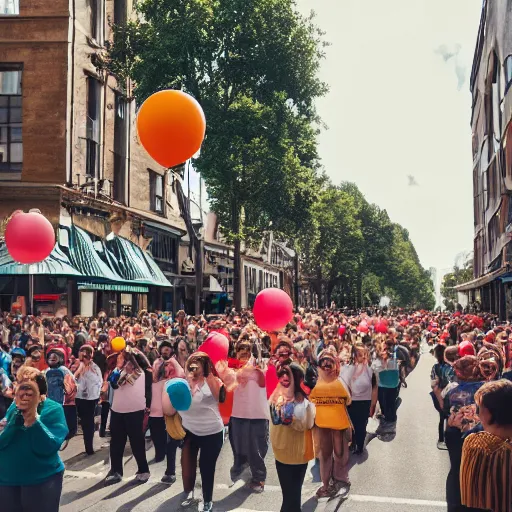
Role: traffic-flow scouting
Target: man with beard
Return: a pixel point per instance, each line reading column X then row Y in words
column 164, row 368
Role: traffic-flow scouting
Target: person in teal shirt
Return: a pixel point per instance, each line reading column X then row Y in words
column 31, row 470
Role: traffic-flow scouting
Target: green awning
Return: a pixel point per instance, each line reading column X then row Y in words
column 130, row 262
column 83, row 256
column 113, row 287
column 57, row 264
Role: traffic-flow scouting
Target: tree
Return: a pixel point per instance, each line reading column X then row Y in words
column 458, row 276
column 253, row 67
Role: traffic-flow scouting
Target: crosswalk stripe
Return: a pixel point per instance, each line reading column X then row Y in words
column 396, row 501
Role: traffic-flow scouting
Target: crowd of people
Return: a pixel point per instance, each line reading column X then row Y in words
column 307, row 392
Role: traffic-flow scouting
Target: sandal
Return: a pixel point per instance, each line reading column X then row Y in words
column 322, row 492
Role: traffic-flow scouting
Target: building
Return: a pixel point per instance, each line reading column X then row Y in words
column 491, row 81
column 69, row 147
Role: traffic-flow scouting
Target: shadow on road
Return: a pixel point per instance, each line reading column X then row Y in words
column 152, row 491
column 72, row 496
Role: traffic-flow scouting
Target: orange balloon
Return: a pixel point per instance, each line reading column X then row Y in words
column 118, row 344
column 171, row 126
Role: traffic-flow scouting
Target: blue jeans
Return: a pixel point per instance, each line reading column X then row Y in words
column 44, row 497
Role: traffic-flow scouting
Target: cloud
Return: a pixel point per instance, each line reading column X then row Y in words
column 446, row 52
column 449, row 53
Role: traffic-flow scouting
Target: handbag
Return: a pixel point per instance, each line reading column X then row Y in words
column 174, row 427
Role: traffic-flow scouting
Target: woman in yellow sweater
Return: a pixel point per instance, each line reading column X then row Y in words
column 333, row 431
column 290, row 433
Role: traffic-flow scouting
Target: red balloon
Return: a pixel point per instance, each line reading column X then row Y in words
column 216, row 346
column 271, row 379
column 466, row 348
column 342, row 330
column 273, row 309
column 381, row 327
column 363, row 327
column 29, row 237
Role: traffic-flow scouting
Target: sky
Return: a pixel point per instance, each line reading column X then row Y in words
column 398, row 112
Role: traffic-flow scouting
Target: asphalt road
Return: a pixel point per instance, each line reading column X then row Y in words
column 402, row 473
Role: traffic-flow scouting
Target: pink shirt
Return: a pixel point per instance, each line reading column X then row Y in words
column 250, row 402
column 156, row 410
column 128, row 398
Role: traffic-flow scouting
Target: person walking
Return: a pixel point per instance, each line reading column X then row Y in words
column 248, row 427
column 292, row 418
column 333, row 431
column 204, row 429
column 440, row 376
column 360, row 381
column 89, row 381
column 164, row 369
column 132, row 381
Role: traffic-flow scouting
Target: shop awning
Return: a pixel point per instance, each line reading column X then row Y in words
column 113, row 287
column 480, row 281
column 130, row 262
column 57, row 264
column 82, row 254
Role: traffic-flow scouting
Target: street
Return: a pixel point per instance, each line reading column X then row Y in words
column 403, row 474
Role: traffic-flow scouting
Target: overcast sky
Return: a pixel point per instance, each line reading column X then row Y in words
column 399, row 110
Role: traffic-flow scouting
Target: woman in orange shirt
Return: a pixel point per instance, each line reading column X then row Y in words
column 333, row 431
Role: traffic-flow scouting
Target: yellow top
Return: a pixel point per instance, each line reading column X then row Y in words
column 331, row 399
column 291, row 446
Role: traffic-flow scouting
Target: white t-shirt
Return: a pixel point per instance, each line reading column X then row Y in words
column 360, row 387
column 203, row 418
column 250, row 402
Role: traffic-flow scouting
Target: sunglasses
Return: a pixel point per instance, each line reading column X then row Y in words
column 283, row 354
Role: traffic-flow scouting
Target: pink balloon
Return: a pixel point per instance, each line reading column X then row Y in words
column 216, row 346
column 342, row 330
column 271, row 379
column 29, row 237
column 363, row 327
column 273, row 309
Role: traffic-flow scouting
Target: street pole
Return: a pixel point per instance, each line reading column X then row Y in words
column 31, row 293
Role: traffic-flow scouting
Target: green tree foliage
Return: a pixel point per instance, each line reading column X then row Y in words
column 458, row 276
column 360, row 255
column 253, row 66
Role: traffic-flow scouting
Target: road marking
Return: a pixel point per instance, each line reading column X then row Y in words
column 85, row 475
column 396, row 501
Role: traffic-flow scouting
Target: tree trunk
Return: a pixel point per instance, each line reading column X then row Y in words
column 195, row 242
column 237, row 270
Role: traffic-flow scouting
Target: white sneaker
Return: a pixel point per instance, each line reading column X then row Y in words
column 189, row 500
column 441, row 445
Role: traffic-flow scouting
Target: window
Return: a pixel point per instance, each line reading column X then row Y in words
column 11, row 145
column 9, row 7
column 98, row 20
column 163, row 247
column 120, row 12
column 93, row 128
column 120, row 143
column 156, row 192
column 508, row 72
